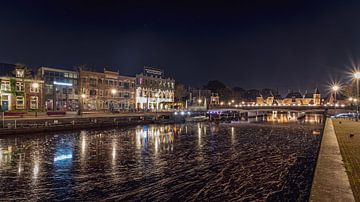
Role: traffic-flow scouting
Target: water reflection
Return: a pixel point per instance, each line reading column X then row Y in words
column 201, row 161
column 291, row 117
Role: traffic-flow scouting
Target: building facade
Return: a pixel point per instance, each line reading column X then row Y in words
column 154, row 91
column 61, row 88
column 106, row 90
column 21, row 90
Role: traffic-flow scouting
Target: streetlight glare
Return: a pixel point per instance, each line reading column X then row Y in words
column 113, row 91
column 357, row 75
column 335, row 87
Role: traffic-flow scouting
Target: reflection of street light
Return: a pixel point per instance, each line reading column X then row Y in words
column 221, row 103
column 199, row 101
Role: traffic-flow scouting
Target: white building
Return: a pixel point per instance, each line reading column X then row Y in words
column 153, row 90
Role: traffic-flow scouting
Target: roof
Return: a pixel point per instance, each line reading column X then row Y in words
column 317, row 91
column 294, row 95
column 309, row 95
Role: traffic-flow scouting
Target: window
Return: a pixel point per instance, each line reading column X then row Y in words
column 20, row 102
column 34, row 88
column 20, row 73
column 92, row 92
column 5, row 85
column 101, row 92
column 93, row 81
column 19, row 86
column 34, row 100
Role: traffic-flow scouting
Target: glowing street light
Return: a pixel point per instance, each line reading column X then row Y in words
column 83, row 96
column 113, row 91
column 232, row 101
column 335, row 88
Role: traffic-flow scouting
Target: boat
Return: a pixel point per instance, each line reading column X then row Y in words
column 196, row 118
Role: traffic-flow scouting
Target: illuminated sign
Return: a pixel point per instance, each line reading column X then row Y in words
column 153, row 71
column 62, row 83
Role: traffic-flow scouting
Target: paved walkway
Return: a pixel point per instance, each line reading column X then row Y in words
column 330, row 182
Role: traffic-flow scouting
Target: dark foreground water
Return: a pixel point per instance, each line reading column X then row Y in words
column 167, row 162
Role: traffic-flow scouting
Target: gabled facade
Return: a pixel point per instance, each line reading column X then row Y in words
column 20, row 90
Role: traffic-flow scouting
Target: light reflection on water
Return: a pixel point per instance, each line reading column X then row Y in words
column 162, row 162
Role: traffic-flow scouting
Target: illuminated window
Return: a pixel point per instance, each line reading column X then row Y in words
column 5, row 85
column 34, row 102
column 34, row 88
column 20, row 73
column 20, row 102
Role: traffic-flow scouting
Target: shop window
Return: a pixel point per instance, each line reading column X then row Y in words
column 20, row 102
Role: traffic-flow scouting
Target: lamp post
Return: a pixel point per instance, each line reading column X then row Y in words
column 81, row 104
column 335, row 88
column 113, row 92
column 357, row 77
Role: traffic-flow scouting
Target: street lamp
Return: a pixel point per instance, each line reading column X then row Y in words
column 357, row 77
column 335, row 88
column 113, row 91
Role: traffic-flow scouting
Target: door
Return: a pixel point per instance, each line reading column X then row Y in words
column 5, row 105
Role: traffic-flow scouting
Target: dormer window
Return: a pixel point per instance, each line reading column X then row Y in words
column 20, row 73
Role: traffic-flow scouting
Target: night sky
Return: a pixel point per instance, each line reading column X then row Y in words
column 252, row 44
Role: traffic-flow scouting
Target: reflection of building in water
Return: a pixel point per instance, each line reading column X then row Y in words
column 161, row 137
column 280, row 117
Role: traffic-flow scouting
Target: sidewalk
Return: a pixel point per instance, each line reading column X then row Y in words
column 330, row 182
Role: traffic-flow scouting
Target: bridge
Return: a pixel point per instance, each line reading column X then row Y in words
column 296, row 108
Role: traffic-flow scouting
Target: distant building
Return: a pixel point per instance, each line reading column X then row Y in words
column 107, row 90
column 292, row 98
column 214, row 99
column 296, row 98
column 61, row 88
column 20, row 89
column 154, row 90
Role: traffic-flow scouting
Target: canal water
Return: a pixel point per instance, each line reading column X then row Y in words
column 195, row 161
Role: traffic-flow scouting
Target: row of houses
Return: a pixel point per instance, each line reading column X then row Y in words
column 72, row 89
column 292, row 98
